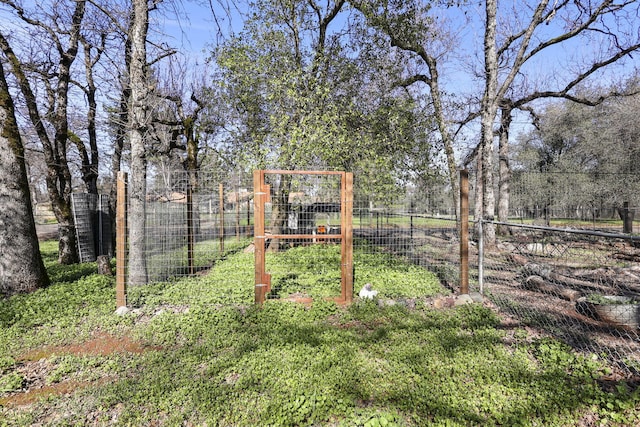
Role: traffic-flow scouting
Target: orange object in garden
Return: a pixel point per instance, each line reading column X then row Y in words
column 322, row 229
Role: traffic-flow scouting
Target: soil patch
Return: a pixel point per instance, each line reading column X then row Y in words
column 33, row 395
column 101, row 344
column 35, row 366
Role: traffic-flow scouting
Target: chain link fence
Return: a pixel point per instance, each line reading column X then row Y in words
column 580, row 286
column 567, row 264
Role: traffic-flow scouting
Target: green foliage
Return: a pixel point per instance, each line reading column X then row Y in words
column 6, row 362
column 391, row 276
column 165, row 266
column 11, row 382
column 313, row 270
column 286, row 364
column 320, row 102
column 51, row 313
column 609, row 299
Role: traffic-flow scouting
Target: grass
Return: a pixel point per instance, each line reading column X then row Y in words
column 287, row 364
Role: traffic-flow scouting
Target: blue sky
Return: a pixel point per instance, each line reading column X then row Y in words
column 190, row 27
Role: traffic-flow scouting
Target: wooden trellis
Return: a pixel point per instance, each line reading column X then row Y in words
column 262, row 196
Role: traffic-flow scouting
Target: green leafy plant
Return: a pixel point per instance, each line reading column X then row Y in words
column 11, row 382
column 6, row 363
column 209, row 356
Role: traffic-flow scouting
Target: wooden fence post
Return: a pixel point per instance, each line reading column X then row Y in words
column 347, row 237
column 221, row 191
column 121, row 241
column 464, row 231
column 259, row 198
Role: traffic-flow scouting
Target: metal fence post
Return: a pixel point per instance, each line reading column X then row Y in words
column 190, row 230
column 464, row 231
column 221, row 195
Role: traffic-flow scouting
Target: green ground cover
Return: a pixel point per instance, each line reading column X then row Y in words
column 204, row 361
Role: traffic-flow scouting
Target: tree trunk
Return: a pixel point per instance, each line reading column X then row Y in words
column 504, row 170
column 21, row 266
column 488, row 114
column 446, row 136
column 191, row 164
column 67, row 246
column 477, row 203
column 281, row 209
column 137, row 132
column 55, row 151
column 626, row 215
column 91, row 167
column 120, row 125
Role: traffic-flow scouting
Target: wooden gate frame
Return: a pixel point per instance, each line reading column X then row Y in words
column 261, row 195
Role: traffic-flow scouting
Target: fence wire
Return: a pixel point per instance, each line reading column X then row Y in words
column 593, row 200
column 199, row 240
column 556, row 280
column 192, row 223
column 582, row 287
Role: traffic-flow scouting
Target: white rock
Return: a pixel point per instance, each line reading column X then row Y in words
column 463, row 299
column 121, row 311
column 367, row 292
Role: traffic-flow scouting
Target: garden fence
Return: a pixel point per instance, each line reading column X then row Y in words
column 546, row 270
column 565, row 253
column 581, row 286
column 200, row 239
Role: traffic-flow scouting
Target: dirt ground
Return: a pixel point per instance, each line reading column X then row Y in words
column 46, row 231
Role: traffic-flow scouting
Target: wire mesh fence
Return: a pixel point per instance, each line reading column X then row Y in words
column 570, row 281
column 565, row 262
column 199, row 241
column 580, row 286
column 593, row 200
column 92, row 225
column 191, row 224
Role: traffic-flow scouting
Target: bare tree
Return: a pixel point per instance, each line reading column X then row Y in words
column 533, row 30
column 21, row 266
column 90, row 158
column 56, row 79
column 139, row 123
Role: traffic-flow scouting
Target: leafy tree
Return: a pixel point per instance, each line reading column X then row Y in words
column 308, row 90
column 411, row 30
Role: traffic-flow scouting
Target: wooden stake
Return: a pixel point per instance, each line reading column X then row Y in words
column 121, row 241
column 346, row 228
